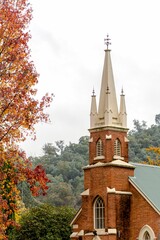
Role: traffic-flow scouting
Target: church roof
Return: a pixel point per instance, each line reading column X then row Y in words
column 147, row 181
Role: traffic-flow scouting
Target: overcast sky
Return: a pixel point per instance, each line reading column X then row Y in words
column 68, row 51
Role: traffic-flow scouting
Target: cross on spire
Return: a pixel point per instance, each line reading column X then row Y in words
column 107, row 41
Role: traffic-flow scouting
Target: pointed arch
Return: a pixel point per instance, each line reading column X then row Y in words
column 117, row 147
column 146, row 233
column 99, row 210
column 99, row 148
column 96, row 238
column 146, row 236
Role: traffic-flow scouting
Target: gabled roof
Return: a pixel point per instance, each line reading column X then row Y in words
column 147, row 181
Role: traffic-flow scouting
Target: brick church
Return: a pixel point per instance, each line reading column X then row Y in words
column 121, row 199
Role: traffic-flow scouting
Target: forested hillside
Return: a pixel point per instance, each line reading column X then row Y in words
column 142, row 137
column 64, row 164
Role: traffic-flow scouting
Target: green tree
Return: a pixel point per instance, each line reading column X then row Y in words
column 140, row 138
column 64, row 167
column 157, row 119
column 50, row 150
column 60, row 193
column 45, row 222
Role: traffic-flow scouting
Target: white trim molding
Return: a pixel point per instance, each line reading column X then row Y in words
column 99, row 157
column 113, row 190
column 146, row 228
column 77, row 214
column 126, row 139
column 85, row 193
column 108, row 137
column 75, row 226
column 112, row 231
column 96, row 238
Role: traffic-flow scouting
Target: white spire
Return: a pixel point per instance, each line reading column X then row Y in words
column 108, row 81
column 107, row 114
column 122, row 112
column 93, row 112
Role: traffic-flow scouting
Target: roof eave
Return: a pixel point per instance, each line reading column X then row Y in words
column 76, row 216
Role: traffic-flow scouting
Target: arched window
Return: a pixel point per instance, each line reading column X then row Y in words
column 146, row 233
column 99, row 148
column 146, row 236
column 99, row 213
column 117, row 147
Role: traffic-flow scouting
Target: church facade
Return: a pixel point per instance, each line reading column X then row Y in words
column 121, row 200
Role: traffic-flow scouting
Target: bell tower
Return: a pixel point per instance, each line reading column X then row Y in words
column 104, row 213
column 108, row 126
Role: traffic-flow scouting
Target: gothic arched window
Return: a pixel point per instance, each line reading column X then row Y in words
column 117, row 147
column 99, row 213
column 99, row 148
column 146, row 236
column 146, row 233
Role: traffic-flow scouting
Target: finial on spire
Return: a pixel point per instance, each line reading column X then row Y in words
column 93, row 93
column 122, row 92
column 107, row 41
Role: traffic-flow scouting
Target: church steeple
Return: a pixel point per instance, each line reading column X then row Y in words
column 106, row 193
column 108, row 115
column 108, row 126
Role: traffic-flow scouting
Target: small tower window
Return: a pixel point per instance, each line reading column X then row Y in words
column 117, row 147
column 99, row 148
column 146, row 236
column 99, row 213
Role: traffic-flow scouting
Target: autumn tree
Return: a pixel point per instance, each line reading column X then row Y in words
column 142, row 137
column 153, row 157
column 19, row 108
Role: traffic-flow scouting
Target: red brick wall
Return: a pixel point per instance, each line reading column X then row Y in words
column 127, row 213
column 117, row 215
column 108, row 149
column 142, row 214
column 123, row 205
column 111, row 211
column 97, row 179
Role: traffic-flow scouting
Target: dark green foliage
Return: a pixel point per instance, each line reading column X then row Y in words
column 140, row 138
column 45, row 222
column 26, row 195
column 157, row 119
column 64, row 167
